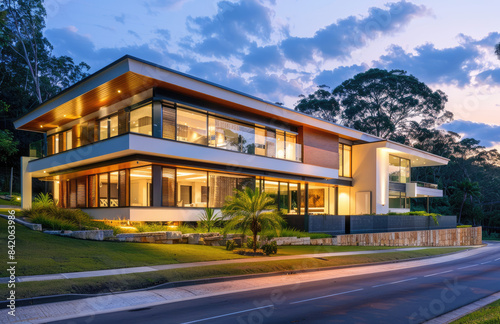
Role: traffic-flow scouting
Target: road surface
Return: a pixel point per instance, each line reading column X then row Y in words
column 411, row 295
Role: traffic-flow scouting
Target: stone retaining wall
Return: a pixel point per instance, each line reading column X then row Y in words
column 443, row 237
column 94, row 235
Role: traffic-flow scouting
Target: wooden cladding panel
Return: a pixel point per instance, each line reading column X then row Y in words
column 319, row 148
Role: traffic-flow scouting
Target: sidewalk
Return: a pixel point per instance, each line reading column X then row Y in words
column 121, row 271
column 44, row 313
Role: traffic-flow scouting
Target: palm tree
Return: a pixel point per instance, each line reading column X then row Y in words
column 209, row 218
column 253, row 210
column 469, row 189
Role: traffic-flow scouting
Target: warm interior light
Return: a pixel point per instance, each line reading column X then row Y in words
column 41, row 126
column 119, row 91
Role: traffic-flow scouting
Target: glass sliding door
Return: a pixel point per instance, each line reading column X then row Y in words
column 113, row 189
column 168, row 187
column 224, row 185
column 192, row 188
column 103, row 190
column 141, row 186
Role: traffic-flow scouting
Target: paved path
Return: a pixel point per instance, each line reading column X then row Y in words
column 388, row 279
column 121, row 271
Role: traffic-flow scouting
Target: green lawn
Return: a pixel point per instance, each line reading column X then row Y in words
column 487, row 315
column 148, row 279
column 39, row 253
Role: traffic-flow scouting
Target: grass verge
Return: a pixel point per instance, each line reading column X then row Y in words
column 142, row 280
column 487, row 315
column 39, row 253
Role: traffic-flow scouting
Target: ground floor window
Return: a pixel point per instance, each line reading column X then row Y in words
column 169, row 186
column 398, row 200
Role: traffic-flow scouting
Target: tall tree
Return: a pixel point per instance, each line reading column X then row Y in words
column 319, row 104
column 387, row 103
column 469, row 190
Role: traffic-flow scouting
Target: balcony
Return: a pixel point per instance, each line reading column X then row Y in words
column 422, row 189
column 37, row 149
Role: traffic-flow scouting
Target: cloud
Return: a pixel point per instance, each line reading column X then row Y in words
column 262, row 58
column 133, row 33
column 489, row 135
column 67, row 41
column 339, row 39
column 448, row 65
column 489, row 76
column 120, row 19
column 335, row 77
column 232, row 29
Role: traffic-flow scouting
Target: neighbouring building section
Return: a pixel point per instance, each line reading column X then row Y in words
column 137, row 141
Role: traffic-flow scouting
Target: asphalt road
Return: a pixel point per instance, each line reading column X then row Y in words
column 412, row 295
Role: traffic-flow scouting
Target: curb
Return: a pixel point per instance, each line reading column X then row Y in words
column 69, row 297
column 464, row 310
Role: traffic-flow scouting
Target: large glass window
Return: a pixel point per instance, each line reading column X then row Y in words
column 103, row 190
column 223, row 185
column 141, row 120
column 141, row 186
column 280, row 144
column 230, row 135
column 113, row 126
column 103, row 128
column 398, row 200
column 192, row 188
column 345, row 160
column 344, row 200
column 321, row 199
column 169, row 121
column 271, row 188
column 69, row 139
column 168, row 187
column 113, row 189
column 191, row 126
column 399, row 169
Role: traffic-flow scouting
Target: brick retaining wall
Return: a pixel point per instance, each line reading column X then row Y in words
column 443, row 237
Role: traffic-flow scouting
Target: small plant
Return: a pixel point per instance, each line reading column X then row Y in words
column 43, row 200
column 209, row 219
column 230, row 245
column 250, row 244
column 270, row 248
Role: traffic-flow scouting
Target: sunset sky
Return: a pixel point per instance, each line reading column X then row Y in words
column 278, row 50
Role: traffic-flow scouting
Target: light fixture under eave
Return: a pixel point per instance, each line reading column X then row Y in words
column 119, row 91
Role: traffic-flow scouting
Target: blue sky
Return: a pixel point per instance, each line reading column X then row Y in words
column 278, row 50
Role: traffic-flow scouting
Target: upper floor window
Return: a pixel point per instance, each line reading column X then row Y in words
column 345, row 160
column 399, row 169
column 141, row 120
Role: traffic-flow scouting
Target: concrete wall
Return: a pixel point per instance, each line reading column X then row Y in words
column 147, row 214
column 443, row 237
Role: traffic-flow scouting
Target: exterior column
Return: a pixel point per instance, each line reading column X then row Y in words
column 26, row 183
column 157, row 179
column 157, row 122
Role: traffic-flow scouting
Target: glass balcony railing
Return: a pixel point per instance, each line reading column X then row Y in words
column 37, row 149
column 426, row 184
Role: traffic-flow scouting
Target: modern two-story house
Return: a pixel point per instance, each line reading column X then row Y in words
column 137, row 141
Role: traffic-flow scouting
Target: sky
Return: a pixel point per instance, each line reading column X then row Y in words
column 278, row 50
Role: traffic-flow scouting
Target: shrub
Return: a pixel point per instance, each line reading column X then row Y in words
column 209, row 219
column 270, row 248
column 463, row 226
column 152, row 227
column 54, row 223
column 43, row 200
column 250, row 243
column 230, row 245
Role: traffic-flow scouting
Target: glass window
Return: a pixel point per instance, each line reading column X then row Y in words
column 291, row 147
column 113, row 126
column 56, row 143
column 103, row 129
column 223, row 185
column 319, row 199
column 168, row 187
column 271, row 188
column 191, row 126
column 399, row 169
column 260, row 141
column 103, row 190
column 92, row 191
column 69, row 139
column 169, row 121
column 284, row 203
column 231, row 135
column 345, row 160
column 398, row 200
column 141, row 186
column 192, row 188
column 270, row 143
column 141, row 120
column 344, row 200
column 294, row 198
column 280, row 144
column 113, row 189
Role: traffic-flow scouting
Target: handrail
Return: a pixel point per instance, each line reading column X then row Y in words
column 425, row 184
